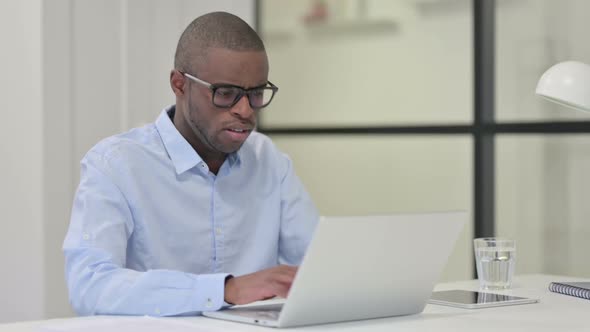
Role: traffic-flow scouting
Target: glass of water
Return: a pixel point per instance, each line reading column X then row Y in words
column 495, row 259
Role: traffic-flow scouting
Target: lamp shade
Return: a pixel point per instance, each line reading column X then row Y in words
column 567, row 83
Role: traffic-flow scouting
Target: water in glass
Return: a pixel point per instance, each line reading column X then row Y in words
column 495, row 267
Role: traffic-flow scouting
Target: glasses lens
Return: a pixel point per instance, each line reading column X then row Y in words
column 260, row 97
column 225, row 96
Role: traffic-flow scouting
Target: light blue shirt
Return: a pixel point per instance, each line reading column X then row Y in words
column 153, row 232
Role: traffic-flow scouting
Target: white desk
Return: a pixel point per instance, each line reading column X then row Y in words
column 555, row 312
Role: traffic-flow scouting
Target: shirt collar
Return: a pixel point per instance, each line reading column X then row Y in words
column 235, row 159
column 182, row 154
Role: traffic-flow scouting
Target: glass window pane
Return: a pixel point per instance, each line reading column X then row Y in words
column 532, row 36
column 356, row 175
column 543, row 189
column 368, row 62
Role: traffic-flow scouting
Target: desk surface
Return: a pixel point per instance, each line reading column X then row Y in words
column 555, row 312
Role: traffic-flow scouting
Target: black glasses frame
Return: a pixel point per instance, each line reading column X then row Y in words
column 241, row 91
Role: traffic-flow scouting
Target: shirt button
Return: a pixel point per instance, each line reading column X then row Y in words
column 85, row 236
column 209, row 303
column 157, row 311
column 218, row 231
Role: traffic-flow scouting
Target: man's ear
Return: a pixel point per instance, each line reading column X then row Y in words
column 177, row 82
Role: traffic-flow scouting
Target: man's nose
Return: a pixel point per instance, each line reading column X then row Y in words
column 242, row 108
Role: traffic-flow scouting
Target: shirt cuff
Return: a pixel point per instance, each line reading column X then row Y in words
column 210, row 291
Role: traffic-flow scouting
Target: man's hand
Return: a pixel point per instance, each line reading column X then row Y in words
column 260, row 285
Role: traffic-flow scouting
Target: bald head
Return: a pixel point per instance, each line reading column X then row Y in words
column 214, row 30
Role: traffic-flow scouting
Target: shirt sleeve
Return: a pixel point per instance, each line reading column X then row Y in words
column 299, row 217
column 95, row 256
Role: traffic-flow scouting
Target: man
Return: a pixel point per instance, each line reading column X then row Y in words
column 196, row 210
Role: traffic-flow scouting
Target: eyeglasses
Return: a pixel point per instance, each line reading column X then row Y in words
column 227, row 95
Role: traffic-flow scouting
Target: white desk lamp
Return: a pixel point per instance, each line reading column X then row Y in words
column 567, row 83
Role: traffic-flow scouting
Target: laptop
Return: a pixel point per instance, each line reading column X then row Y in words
column 361, row 268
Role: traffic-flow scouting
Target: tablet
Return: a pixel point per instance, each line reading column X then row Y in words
column 474, row 300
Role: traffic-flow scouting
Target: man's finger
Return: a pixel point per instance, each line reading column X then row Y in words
column 284, row 278
column 281, row 290
column 287, row 270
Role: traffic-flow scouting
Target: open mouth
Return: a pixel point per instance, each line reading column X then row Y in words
column 235, row 130
column 238, row 134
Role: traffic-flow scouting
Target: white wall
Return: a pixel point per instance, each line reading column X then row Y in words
column 381, row 174
column 73, row 72
column 58, row 167
column 21, row 192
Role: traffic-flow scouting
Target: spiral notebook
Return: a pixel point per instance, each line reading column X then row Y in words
column 577, row 289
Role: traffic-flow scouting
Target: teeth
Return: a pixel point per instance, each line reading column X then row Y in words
column 238, row 130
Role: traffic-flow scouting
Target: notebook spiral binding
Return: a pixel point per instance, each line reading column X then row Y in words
column 557, row 287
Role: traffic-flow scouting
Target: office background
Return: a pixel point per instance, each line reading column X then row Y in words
column 75, row 71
